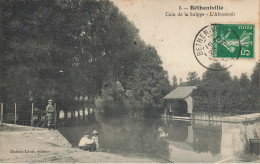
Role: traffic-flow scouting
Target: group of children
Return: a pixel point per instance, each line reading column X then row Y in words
column 89, row 141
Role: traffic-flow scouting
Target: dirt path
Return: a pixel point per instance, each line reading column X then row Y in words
column 21, row 144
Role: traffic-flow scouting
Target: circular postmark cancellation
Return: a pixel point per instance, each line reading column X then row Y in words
column 217, row 43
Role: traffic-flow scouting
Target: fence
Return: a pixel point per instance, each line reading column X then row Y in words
column 22, row 113
column 31, row 114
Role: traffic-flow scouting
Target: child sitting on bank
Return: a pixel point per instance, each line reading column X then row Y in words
column 95, row 138
column 86, row 143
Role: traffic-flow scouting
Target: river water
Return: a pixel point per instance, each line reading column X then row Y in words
column 165, row 140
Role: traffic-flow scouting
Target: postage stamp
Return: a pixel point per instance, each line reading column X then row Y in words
column 224, row 43
column 233, row 40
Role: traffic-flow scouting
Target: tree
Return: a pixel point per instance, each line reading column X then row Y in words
column 234, row 90
column 255, row 76
column 174, row 82
column 61, row 49
column 193, row 79
column 244, row 95
column 255, row 95
column 244, row 81
column 181, row 83
column 218, row 91
column 149, row 81
column 213, row 93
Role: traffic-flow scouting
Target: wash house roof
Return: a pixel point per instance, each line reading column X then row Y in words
column 180, row 93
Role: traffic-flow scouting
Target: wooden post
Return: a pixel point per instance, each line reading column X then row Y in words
column 2, row 112
column 55, row 115
column 170, row 105
column 88, row 112
column 84, row 113
column 14, row 113
column 32, row 116
column 172, row 108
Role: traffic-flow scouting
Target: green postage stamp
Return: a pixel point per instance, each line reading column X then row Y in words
column 233, row 40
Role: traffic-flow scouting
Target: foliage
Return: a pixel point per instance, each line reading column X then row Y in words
column 64, row 49
column 212, row 93
column 255, row 90
column 174, row 82
column 219, row 92
column 149, row 81
column 193, row 79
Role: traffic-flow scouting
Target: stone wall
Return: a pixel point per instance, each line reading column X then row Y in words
column 235, row 137
column 208, row 116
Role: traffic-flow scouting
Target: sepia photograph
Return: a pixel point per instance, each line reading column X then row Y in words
column 129, row 81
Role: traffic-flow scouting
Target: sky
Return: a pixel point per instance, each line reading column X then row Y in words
column 173, row 36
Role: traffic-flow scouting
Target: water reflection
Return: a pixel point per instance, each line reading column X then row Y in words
column 198, row 139
column 178, row 130
column 61, row 114
column 76, row 114
column 81, row 114
column 86, row 111
column 69, row 115
column 122, row 135
column 135, row 136
column 206, row 138
column 161, row 139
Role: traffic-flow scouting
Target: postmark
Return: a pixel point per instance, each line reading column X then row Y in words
column 223, row 43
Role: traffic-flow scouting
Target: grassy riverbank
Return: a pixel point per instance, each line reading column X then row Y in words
column 22, row 144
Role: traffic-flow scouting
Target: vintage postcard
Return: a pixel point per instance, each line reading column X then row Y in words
column 129, row 81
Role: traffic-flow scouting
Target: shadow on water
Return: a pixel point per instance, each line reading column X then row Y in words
column 163, row 140
column 123, row 135
column 207, row 138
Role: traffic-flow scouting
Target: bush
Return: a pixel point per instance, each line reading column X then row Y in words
column 99, row 103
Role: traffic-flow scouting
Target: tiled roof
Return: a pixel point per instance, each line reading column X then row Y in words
column 180, row 92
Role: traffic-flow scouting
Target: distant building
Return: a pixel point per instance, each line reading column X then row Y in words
column 180, row 102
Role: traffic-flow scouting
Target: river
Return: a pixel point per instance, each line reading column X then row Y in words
column 164, row 140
